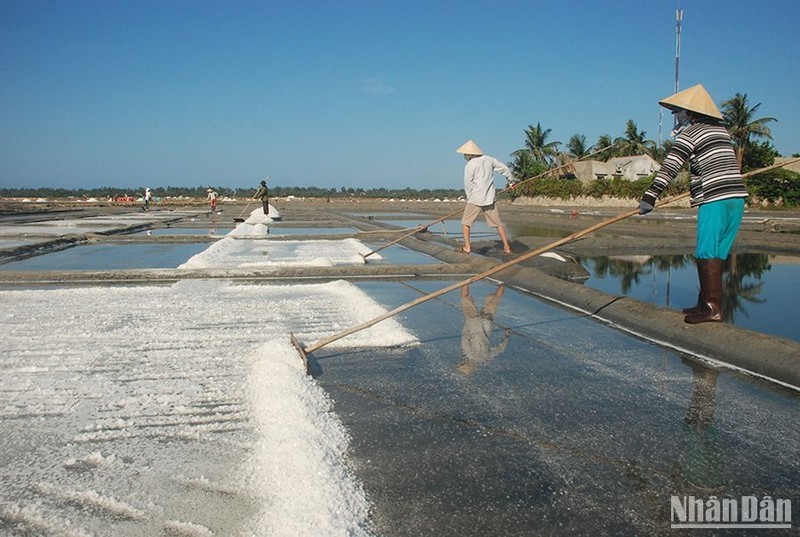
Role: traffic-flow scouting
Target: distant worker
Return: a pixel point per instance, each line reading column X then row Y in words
column 716, row 186
column 479, row 187
column 148, row 196
column 212, row 197
column 263, row 194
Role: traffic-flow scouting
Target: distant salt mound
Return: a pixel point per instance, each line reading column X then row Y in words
column 257, row 216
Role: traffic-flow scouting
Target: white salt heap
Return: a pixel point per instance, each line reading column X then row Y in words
column 248, row 246
column 182, row 409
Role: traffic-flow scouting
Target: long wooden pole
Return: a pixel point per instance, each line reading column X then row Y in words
column 482, row 275
column 501, row 267
column 454, row 213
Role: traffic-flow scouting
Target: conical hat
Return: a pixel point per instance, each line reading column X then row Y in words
column 694, row 99
column 470, row 148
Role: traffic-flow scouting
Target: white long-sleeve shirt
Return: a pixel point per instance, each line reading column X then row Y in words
column 479, row 179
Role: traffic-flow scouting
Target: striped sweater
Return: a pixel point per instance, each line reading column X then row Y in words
column 712, row 165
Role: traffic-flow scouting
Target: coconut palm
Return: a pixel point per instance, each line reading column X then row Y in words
column 605, row 141
column 660, row 152
column 524, row 166
column 738, row 119
column 577, row 148
column 536, row 144
column 634, row 142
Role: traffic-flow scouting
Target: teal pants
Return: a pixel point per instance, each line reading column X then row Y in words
column 717, row 226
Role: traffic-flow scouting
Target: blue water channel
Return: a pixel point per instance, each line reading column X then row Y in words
column 110, row 257
column 168, row 255
column 759, row 289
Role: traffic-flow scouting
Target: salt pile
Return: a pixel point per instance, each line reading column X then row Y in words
column 178, row 409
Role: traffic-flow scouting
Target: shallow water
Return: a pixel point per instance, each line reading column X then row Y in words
column 277, row 231
column 481, row 230
column 110, row 257
column 446, row 227
column 755, row 286
column 199, row 231
column 552, row 425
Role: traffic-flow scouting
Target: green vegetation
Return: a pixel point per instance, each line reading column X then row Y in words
column 742, row 125
column 776, row 186
column 751, row 140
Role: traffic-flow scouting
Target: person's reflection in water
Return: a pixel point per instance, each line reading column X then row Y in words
column 475, row 345
column 212, row 225
column 702, row 464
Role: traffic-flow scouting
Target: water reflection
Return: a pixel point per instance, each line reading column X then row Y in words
column 529, row 230
column 476, row 347
column 702, row 464
column 758, row 289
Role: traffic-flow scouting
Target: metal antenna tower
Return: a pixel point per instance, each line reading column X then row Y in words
column 678, row 20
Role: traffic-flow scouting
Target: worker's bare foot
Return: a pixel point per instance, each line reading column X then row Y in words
column 507, row 252
column 463, row 250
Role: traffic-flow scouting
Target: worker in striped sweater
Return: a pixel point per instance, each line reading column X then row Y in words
column 716, row 186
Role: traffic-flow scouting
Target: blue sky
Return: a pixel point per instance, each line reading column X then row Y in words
column 358, row 93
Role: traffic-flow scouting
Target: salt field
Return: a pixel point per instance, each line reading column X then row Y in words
column 178, row 410
column 356, row 269
column 183, row 408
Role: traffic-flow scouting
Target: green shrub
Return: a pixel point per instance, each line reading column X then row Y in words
column 776, row 185
column 598, row 188
column 553, row 188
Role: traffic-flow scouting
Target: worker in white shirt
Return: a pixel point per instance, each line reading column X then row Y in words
column 479, row 187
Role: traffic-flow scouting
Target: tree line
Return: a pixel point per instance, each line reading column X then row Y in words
column 540, row 153
column 751, row 137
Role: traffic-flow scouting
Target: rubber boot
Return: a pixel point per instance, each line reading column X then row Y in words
column 697, row 308
column 710, row 271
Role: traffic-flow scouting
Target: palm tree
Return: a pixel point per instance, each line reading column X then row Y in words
column 524, row 166
column 634, row 142
column 605, row 141
column 660, row 152
column 537, row 145
column 577, row 148
column 738, row 119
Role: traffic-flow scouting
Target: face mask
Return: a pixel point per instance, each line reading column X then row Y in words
column 682, row 120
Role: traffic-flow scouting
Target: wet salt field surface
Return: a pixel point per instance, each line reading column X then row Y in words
column 110, row 257
column 81, row 226
column 287, row 231
column 388, row 216
column 139, row 256
column 17, row 243
column 755, row 290
column 398, row 255
column 540, row 422
column 201, row 231
column 446, row 227
column 274, row 231
column 183, row 410
column 480, row 230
